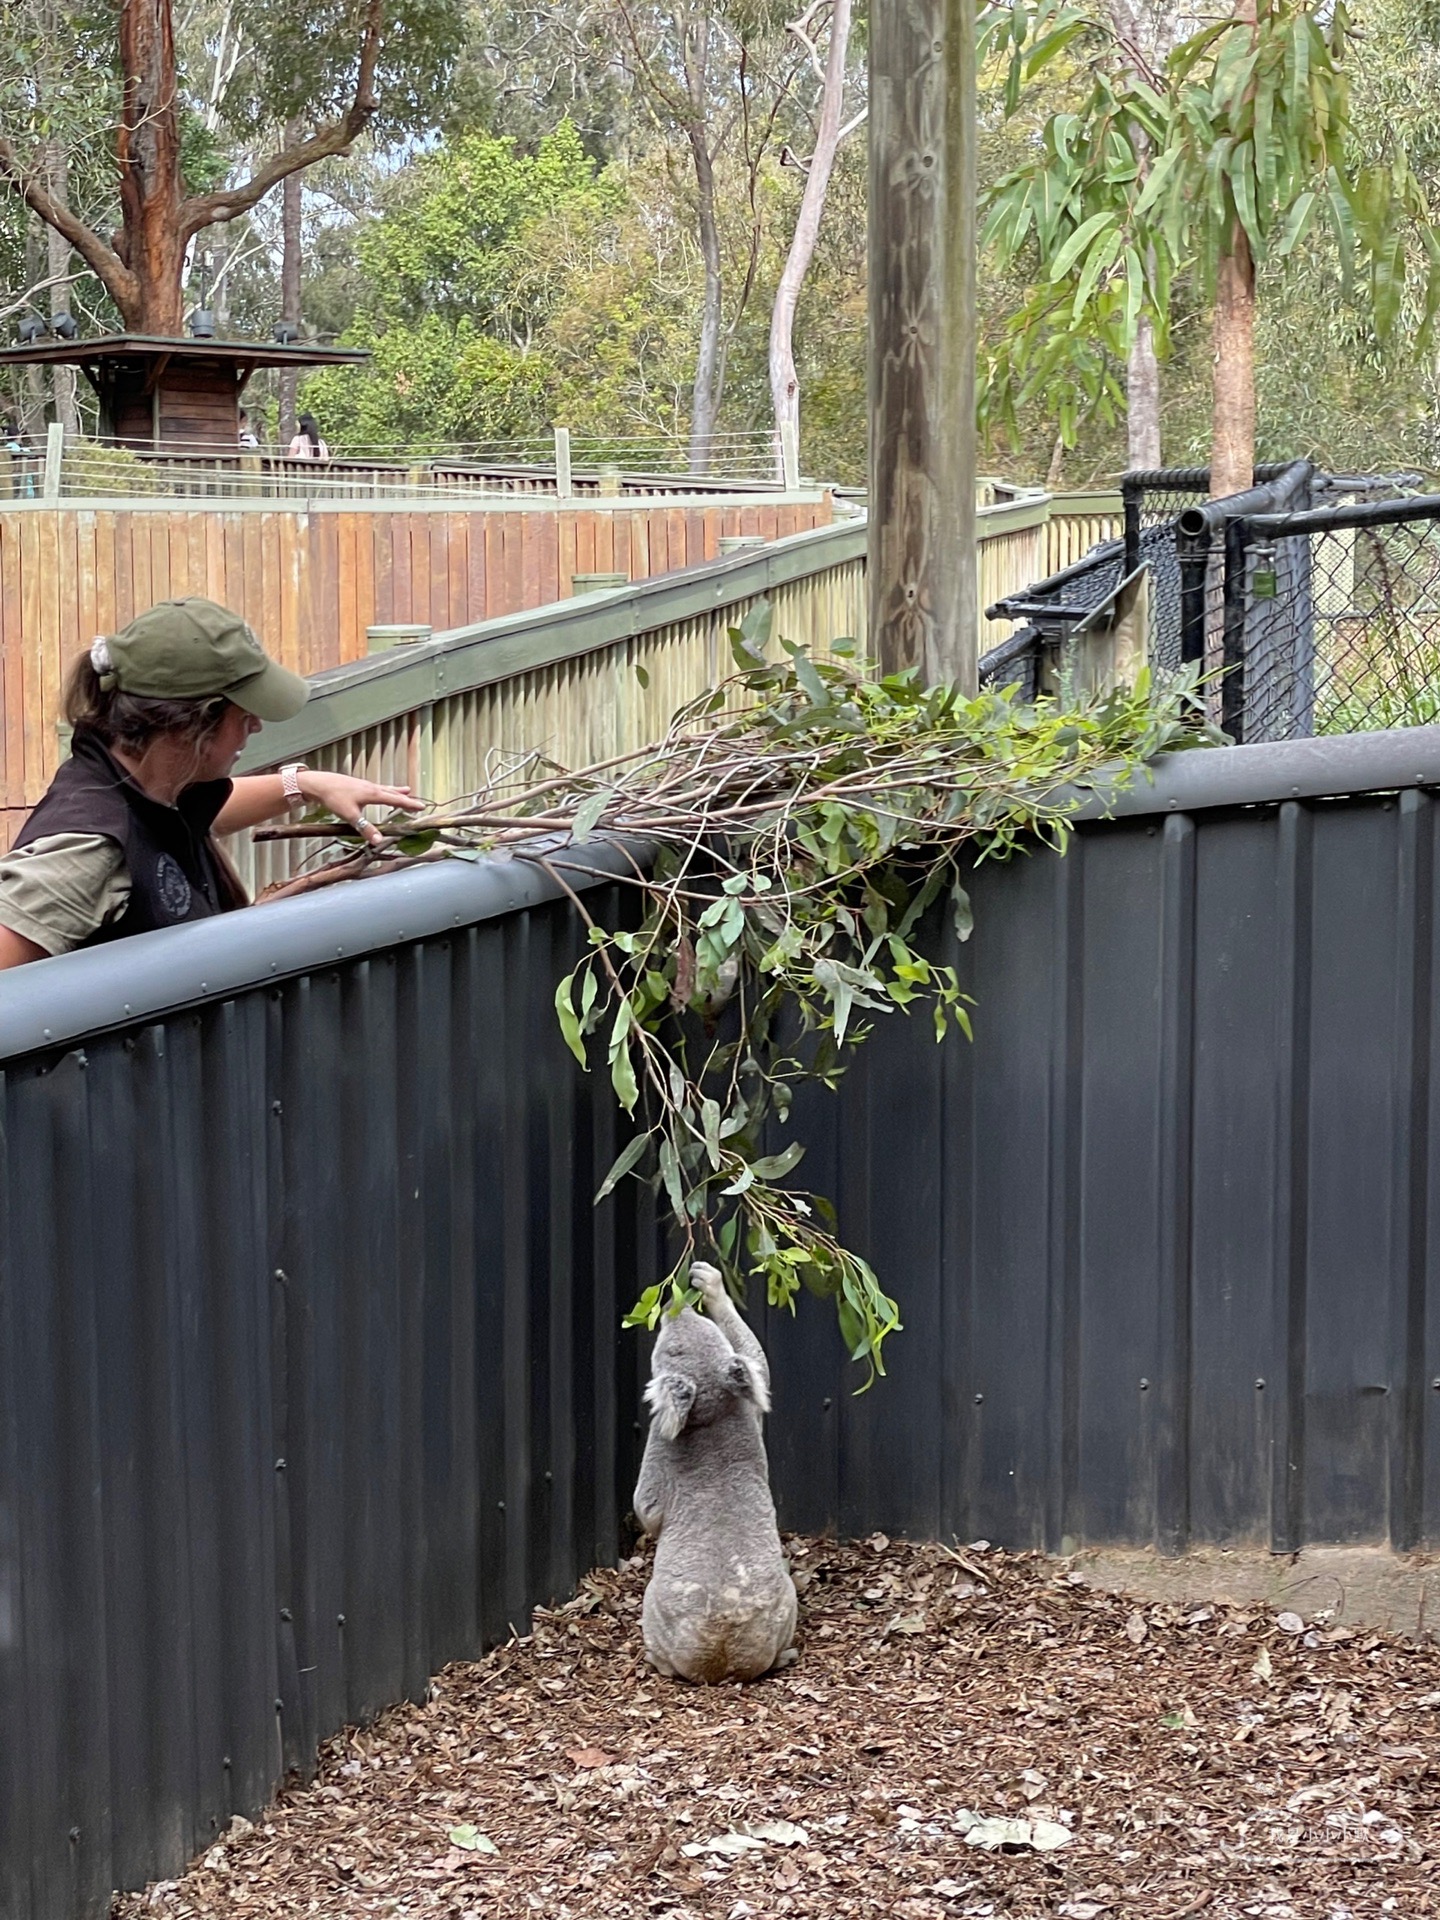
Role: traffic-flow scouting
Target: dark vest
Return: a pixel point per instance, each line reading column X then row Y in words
column 176, row 871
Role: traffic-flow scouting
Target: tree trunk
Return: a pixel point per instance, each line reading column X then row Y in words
column 1232, row 420
column 291, row 210
column 709, row 354
column 784, row 381
column 31, row 395
column 1142, row 402
column 922, row 339
column 62, row 379
column 152, row 242
column 1232, row 411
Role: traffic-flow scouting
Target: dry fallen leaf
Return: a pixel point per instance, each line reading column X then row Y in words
column 585, row 1757
column 780, row 1833
column 469, row 1839
column 1135, row 1629
column 729, row 1845
column 997, row 1834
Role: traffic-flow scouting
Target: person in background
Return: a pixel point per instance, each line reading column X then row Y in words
column 22, row 462
column 307, row 444
column 124, row 840
column 247, row 435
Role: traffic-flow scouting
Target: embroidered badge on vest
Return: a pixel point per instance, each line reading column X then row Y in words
column 172, row 887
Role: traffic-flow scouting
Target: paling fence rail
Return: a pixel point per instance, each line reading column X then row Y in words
column 581, row 682
column 310, row 1375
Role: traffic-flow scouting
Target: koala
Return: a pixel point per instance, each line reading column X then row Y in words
column 720, row 1604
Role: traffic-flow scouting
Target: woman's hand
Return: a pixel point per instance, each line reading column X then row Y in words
column 261, row 796
column 346, row 797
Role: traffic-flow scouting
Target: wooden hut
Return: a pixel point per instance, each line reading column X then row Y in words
column 177, row 396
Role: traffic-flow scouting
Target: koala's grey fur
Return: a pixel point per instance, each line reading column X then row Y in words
column 720, row 1604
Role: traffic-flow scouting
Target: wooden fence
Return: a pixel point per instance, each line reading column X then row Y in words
column 312, row 579
column 578, row 683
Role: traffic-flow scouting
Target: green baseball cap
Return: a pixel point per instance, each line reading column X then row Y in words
column 193, row 649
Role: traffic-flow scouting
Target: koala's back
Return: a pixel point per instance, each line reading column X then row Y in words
column 720, row 1603
column 725, row 1612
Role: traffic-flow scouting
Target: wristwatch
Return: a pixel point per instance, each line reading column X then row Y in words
column 290, row 781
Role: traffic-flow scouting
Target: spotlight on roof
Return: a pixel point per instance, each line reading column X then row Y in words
column 63, row 326
column 31, row 329
column 202, row 324
column 285, row 332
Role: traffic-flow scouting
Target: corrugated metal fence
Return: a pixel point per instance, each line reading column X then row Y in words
column 310, row 1375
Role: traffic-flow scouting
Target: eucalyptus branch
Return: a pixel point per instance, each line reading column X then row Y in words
column 804, row 824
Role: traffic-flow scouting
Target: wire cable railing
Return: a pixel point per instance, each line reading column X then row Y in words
column 562, row 465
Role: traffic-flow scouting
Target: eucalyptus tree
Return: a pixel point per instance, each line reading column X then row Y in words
column 1199, row 170
column 331, row 69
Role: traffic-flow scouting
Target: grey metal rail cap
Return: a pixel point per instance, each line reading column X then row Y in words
column 56, row 1001
column 51, row 1002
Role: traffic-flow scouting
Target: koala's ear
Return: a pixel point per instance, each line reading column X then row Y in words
column 744, row 1377
column 670, row 1396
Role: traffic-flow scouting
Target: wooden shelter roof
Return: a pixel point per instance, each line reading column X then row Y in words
column 150, row 346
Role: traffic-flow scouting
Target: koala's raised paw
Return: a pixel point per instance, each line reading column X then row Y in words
column 708, row 1281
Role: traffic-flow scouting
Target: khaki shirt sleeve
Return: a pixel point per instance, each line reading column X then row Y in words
column 62, row 888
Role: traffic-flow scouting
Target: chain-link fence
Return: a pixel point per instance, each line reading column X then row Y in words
column 1312, row 601
column 1359, row 649
column 1153, row 503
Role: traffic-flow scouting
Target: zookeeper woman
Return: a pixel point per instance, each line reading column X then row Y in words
column 123, row 842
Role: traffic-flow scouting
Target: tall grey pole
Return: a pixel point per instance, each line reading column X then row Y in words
column 922, row 338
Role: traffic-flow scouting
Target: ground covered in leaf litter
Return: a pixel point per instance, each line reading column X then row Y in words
column 947, row 1703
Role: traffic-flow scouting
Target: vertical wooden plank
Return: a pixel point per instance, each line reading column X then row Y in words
column 31, row 651
column 585, row 541
column 87, row 618
column 42, row 618
column 437, row 529
column 475, row 567
column 674, row 538
column 403, row 602
column 216, row 586
column 514, row 562
column 232, row 565
column 136, row 535
column 620, row 535
column 494, row 565
column 12, row 665
column 568, row 546
column 348, row 641
column 197, row 555
column 604, row 523
column 530, row 577
column 271, row 566
column 640, row 562
column 456, row 530
column 365, row 614
column 382, row 545
column 107, row 567
column 289, row 531
column 250, row 574
column 547, row 534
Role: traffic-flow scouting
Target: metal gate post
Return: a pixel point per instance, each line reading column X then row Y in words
column 1131, row 494
column 1236, row 599
column 1192, row 550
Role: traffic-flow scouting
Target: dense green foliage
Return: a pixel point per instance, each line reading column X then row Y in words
column 519, row 244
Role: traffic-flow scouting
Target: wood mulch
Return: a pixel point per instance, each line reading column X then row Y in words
column 1206, row 1760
